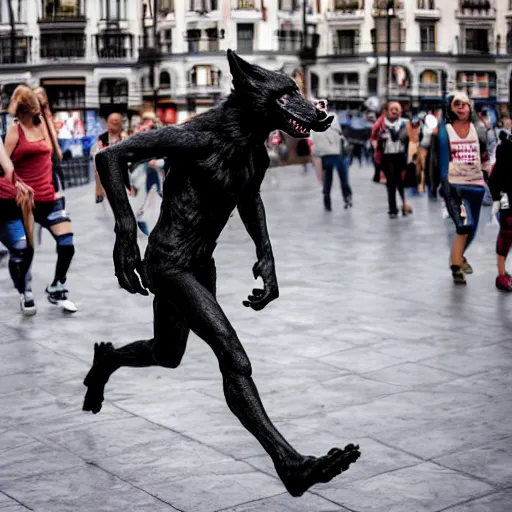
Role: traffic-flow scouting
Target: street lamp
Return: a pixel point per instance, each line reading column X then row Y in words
column 309, row 46
column 390, row 15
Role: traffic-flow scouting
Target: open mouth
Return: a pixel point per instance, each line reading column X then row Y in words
column 298, row 126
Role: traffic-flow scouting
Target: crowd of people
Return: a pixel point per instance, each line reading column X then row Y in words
column 32, row 192
column 452, row 152
column 459, row 156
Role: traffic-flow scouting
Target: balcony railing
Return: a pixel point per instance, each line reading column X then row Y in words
column 166, row 48
column 381, row 6
column 75, row 18
column 21, row 50
column 215, row 88
column 428, row 46
column 427, row 5
column 348, row 6
column 475, row 4
column 476, row 9
column 114, row 46
column 478, row 91
column 345, row 50
column 202, row 6
column 202, row 45
column 399, row 90
column 430, row 90
column 289, row 45
column 245, row 4
column 54, row 47
column 345, row 91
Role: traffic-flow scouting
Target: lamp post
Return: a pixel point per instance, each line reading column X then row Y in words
column 157, row 49
column 390, row 15
column 307, row 52
column 13, row 31
column 304, row 47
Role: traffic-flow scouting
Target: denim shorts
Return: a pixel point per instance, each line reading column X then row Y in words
column 50, row 213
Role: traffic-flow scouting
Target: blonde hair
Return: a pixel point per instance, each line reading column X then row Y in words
column 149, row 115
column 24, row 104
column 41, row 91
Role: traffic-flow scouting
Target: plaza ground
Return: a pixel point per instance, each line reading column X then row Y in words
column 370, row 342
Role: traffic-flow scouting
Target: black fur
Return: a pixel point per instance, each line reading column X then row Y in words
column 217, row 163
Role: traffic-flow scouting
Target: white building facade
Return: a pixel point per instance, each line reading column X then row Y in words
column 100, row 55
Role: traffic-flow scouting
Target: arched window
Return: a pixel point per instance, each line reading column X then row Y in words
column 400, row 77
column 429, row 77
column 165, row 80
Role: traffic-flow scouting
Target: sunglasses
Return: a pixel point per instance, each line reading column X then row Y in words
column 460, row 103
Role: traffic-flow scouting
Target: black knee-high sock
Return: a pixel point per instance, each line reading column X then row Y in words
column 19, row 263
column 64, row 256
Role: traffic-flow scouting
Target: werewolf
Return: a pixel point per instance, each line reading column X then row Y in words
column 217, row 162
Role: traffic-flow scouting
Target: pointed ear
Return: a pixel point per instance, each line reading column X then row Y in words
column 242, row 71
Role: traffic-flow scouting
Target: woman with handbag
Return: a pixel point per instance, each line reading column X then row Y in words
column 462, row 156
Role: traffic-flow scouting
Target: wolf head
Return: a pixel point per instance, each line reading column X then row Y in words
column 274, row 99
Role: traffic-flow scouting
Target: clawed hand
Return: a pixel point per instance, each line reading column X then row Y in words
column 127, row 262
column 263, row 268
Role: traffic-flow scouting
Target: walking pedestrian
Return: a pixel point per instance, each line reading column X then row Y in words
column 328, row 146
column 29, row 145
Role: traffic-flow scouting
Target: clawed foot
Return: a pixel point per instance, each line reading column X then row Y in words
column 299, row 477
column 98, row 376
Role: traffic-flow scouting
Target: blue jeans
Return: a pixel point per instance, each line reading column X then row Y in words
column 330, row 162
column 471, row 196
column 152, row 178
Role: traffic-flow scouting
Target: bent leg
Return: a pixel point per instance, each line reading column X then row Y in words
column 206, row 318
column 63, row 234
column 387, row 168
column 166, row 349
column 472, row 198
column 20, row 254
column 327, row 181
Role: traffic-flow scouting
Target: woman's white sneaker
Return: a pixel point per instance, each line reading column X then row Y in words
column 27, row 305
column 57, row 296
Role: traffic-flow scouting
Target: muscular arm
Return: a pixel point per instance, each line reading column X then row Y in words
column 112, row 163
column 252, row 213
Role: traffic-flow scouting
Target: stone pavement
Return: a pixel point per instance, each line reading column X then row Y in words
column 369, row 343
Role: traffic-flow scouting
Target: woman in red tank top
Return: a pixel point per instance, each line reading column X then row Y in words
column 29, row 145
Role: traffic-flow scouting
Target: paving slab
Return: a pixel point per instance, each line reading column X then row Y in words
column 369, row 342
